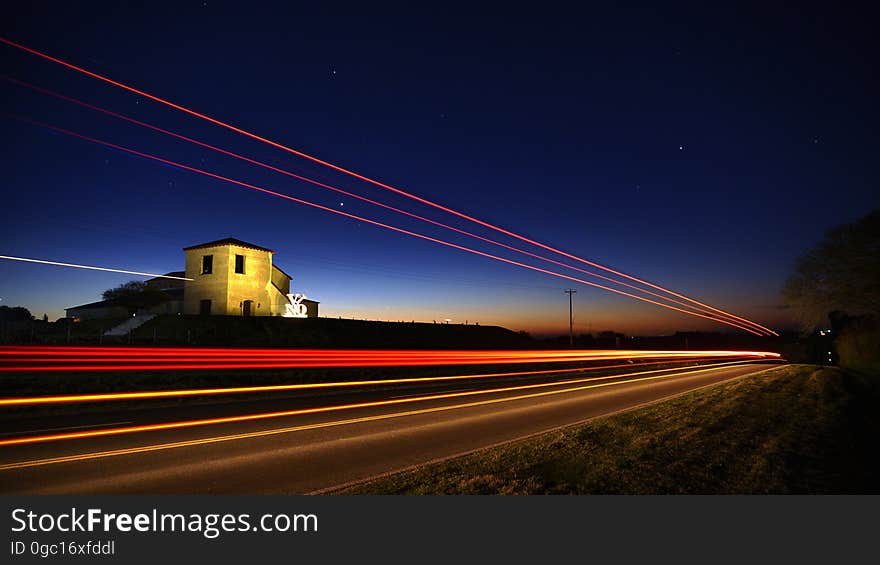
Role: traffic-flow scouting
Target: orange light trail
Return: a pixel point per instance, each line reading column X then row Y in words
column 344, row 192
column 154, row 394
column 357, row 405
column 60, row 359
column 383, row 225
column 17, row 350
column 370, row 180
column 290, row 429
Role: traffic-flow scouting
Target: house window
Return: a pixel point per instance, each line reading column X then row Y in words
column 207, row 264
column 205, row 307
column 239, row 264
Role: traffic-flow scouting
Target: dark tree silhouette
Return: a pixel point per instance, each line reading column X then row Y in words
column 135, row 295
column 840, row 274
column 15, row 314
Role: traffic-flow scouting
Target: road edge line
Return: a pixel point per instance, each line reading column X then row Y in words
column 336, row 488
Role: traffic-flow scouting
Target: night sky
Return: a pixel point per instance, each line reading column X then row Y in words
column 702, row 150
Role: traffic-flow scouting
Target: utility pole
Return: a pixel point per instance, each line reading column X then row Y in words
column 569, row 292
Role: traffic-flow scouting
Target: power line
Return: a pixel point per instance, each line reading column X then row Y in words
column 380, row 184
column 345, row 192
column 377, row 223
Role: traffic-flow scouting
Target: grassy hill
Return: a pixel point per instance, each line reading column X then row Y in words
column 795, row 429
column 323, row 333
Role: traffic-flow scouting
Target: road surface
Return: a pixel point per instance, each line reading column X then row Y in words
column 314, row 452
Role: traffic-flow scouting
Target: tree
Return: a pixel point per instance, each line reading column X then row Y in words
column 135, row 295
column 841, row 274
column 15, row 314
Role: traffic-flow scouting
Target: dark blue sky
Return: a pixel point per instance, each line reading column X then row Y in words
column 700, row 149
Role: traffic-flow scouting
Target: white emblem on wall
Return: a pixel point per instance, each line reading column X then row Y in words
column 295, row 308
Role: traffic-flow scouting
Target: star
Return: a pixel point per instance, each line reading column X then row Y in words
column 681, row 147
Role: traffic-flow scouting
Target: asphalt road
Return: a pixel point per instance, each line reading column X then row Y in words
column 312, row 452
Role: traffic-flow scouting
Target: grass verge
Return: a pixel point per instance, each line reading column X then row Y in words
column 795, row 429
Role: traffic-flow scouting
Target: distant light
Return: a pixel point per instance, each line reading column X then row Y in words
column 681, row 147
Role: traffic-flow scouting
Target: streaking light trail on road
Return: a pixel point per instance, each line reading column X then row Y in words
column 364, row 178
column 377, row 403
column 91, row 267
column 382, row 225
column 285, row 430
column 62, row 359
column 350, row 194
column 154, row 394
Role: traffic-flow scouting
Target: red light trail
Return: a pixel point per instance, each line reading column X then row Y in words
column 90, row 456
column 72, row 359
column 369, row 404
column 345, row 192
column 380, row 184
column 380, row 224
column 179, row 393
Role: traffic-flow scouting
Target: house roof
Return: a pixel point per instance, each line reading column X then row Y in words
column 228, row 241
column 172, row 293
column 280, row 270
column 178, row 274
column 99, row 304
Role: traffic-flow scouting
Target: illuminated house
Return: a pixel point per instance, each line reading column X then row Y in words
column 230, row 277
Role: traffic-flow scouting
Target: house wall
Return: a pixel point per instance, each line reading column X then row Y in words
column 280, row 280
column 167, row 307
column 311, row 308
column 206, row 287
column 263, row 284
column 227, row 289
column 279, row 287
column 164, row 284
column 97, row 313
column 252, row 285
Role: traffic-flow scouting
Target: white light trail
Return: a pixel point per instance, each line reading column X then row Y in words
column 59, row 264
